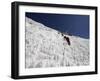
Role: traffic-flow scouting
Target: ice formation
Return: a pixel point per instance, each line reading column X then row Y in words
column 46, row 47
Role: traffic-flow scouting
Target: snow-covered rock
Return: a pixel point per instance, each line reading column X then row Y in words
column 46, row 47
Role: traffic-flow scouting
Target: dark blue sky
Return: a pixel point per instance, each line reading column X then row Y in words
column 77, row 25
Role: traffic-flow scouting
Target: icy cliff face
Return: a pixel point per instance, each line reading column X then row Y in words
column 46, row 47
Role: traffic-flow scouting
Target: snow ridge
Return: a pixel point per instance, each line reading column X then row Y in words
column 46, row 47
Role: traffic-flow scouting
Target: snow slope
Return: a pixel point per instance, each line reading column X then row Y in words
column 46, row 47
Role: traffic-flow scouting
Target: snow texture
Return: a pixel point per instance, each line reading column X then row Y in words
column 46, row 47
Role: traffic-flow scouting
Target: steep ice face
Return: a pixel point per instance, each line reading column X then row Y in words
column 46, row 47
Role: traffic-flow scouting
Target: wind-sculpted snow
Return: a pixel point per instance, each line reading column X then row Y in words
column 46, row 47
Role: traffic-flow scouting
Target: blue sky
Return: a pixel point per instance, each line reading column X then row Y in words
column 77, row 25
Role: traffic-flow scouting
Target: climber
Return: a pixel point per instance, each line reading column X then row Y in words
column 67, row 39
